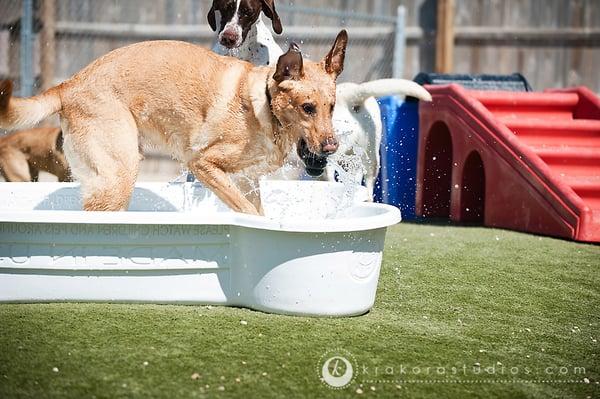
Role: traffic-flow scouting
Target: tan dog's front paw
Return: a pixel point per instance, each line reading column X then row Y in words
column 250, row 210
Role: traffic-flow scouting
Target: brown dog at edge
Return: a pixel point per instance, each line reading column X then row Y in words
column 219, row 115
column 24, row 154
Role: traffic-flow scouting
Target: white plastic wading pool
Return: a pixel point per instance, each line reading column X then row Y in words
column 179, row 244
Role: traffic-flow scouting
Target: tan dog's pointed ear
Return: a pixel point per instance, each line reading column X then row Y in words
column 212, row 20
column 268, row 7
column 334, row 61
column 290, row 65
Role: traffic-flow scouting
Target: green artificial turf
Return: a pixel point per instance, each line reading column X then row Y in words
column 448, row 297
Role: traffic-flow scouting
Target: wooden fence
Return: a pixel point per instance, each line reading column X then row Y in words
column 552, row 42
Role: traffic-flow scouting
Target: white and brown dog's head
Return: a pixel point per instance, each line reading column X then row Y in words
column 303, row 97
column 234, row 18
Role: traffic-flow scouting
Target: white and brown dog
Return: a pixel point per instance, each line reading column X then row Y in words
column 218, row 115
column 242, row 32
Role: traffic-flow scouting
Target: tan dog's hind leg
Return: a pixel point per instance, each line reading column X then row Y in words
column 14, row 166
column 103, row 155
column 220, row 183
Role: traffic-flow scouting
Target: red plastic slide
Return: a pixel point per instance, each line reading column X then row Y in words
column 516, row 160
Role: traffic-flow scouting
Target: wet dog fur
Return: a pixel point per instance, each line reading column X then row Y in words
column 218, row 115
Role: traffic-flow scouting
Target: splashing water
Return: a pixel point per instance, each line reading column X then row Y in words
column 182, row 177
column 185, row 176
column 288, row 201
column 349, row 170
column 249, row 187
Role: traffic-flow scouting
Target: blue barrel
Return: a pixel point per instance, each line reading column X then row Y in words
column 396, row 183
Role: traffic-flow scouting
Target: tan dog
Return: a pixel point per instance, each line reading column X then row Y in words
column 217, row 114
column 24, row 154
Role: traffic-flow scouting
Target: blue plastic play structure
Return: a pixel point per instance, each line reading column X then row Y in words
column 396, row 183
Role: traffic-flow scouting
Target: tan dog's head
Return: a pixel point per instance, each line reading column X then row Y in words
column 303, row 95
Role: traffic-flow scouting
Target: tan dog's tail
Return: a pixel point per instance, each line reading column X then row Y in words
column 21, row 113
column 358, row 93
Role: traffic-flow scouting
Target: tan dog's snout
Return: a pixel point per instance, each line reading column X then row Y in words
column 329, row 145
